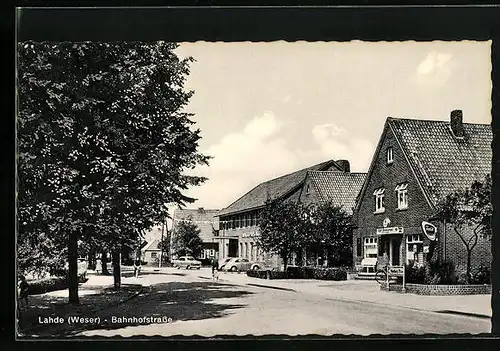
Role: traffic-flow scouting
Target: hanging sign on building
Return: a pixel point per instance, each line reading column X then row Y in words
column 390, row 230
column 429, row 230
column 249, row 235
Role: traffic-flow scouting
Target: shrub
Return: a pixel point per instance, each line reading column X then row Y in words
column 43, row 286
column 481, row 276
column 267, row 274
column 294, row 272
column 432, row 273
column 441, row 273
column 414, row 274
column 330, row 274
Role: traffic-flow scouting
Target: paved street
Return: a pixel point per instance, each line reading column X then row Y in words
column 199, row 306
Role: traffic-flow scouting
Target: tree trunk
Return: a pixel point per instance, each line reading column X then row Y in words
column 92, row 259
column 104, row 263
column 115, row 258
column 73, row 268
column 469, row 254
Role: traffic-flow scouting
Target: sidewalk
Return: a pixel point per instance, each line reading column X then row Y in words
column 95, row 294
column 369, row 292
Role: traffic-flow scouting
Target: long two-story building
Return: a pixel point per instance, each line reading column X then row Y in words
column 417, row 163
column 330, row 180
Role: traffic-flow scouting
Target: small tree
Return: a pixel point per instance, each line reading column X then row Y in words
column 332, row 232
column 469, row 212
column 187, row 240
column 281, row 228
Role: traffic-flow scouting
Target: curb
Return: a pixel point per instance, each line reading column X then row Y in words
column 134, row 295
column 466, row 314
column 251, row 284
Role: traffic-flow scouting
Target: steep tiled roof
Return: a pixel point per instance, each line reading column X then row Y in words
column 339, row 187
column 442, row 162
column 152, row 246
column 273, row 189
column 205, row 219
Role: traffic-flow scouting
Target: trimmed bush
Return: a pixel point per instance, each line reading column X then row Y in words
column 433, row 273
column 301, row 273
column 43, row 286
column 330, row 274
column 481, row 276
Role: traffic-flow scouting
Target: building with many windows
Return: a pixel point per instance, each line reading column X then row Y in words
column 207, row 222
column 417, row 163
column 330, row 180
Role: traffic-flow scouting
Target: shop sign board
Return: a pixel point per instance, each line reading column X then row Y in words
column 429, row 230
column 249, row 235
column 390, row 230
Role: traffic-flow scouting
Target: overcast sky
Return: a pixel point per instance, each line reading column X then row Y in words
column 267, row 109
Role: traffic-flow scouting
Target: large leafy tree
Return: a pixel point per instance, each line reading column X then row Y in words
column 103, row 143
column 283, row 228
column 332, row 233
column 469, row 213
column 186, row 239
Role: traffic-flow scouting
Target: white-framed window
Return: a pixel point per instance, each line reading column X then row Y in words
column 402, row 195
column 212, row 252
column 308, row 189
column 389, row 155
column 415, row 249
column 379, row 200
column 370, row 247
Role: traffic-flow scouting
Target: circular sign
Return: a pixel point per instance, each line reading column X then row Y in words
column 386, row 222
column 429, row 230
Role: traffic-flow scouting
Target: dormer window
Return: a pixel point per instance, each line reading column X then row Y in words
column 402, row 195
column 379, row 200
column 389, row 156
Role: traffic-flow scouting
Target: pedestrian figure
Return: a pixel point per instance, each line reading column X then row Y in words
column 98, row 266
column 215, row 269
column 137, row 267
column 23, row 291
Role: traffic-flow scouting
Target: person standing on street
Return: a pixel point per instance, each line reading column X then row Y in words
column 215, row 269
column 137, row 267
column 23, row 292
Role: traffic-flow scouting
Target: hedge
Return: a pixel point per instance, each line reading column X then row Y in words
column 264, row 274
column 46, row 285
column 301, row 273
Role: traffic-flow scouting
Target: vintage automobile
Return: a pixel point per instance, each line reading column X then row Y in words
column 186, row 262
column 222, row 262
column 238, row 264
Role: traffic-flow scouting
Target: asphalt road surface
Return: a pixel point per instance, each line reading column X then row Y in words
column 178, row 304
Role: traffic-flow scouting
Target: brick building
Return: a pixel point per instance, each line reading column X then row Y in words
column 417, row 163
column 239, row 221
column 207, row 221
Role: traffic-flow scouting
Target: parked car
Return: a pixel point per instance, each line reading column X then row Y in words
column 240, row 265
column 186, row 262
column 82, row 265
column 223, row 261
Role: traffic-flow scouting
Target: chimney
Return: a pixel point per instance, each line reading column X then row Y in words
column 457, row 126
column 344, row 165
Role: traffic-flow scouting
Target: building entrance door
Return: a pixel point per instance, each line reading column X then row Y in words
column 233, row 248
column 394, row 251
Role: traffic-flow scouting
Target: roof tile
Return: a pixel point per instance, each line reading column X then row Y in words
column 442, row 162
